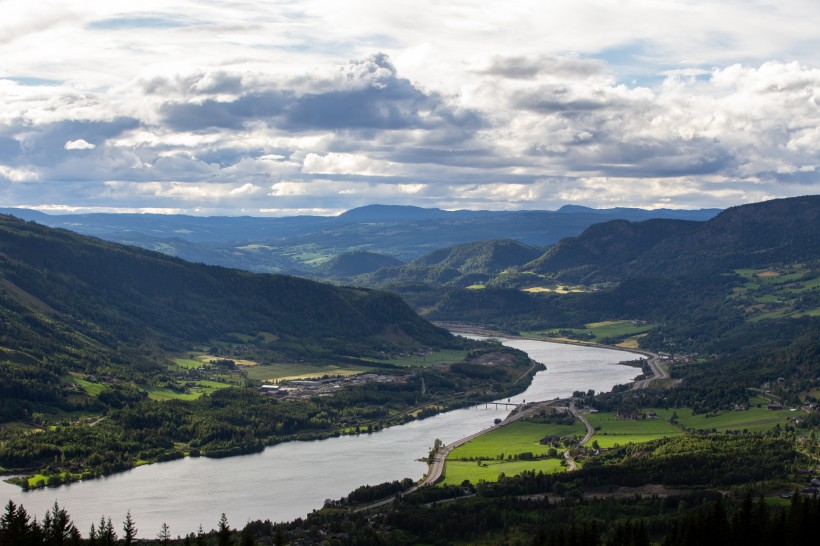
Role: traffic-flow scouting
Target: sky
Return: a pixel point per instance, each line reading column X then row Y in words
column 319, row 106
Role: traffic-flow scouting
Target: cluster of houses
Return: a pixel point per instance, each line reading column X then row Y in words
column 813, row 489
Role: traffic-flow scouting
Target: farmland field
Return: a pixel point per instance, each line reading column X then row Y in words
column 518, row 437
column 623, row 431
column 436, row 358
column 495, row 446
column 458, row 471
column 285, row 371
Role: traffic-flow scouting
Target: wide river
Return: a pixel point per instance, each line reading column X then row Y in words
column 290, row 480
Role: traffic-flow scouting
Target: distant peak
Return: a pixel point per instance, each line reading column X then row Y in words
column 391, row 212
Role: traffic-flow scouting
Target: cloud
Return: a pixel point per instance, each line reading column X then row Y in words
column 78, row 144
column 477, row 105
column 529, row 68
column 364, row 95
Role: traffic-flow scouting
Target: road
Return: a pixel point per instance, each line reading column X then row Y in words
column 659, row 371
column 590, row 432
column 437, row 465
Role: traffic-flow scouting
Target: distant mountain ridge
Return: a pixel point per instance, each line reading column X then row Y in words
column 782, row 230
column 300, row 244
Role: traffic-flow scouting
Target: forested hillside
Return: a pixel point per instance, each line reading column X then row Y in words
column 58, row 281
column 460, row 265
column 351, row 264
column 147, row 345
column 777, row 231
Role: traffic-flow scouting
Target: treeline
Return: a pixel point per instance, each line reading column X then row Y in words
column 18, row 528
column 699, row 517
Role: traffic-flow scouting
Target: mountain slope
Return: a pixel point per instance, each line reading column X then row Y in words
column 59, row 283
column 484, row 257
column 783, row 230
column 462, row 264
column 351, row 264
column 606, row 244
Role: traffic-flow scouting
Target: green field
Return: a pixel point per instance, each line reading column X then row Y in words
column 436, row 358
column 752, row 419
column 596, row 332
column 775, row 293
column 512, row 439
column 518, row 437
column 202, row 387
column 188, row 363
column 614, row 431
column 458, row 471
column 91, row 389
column 293, row 370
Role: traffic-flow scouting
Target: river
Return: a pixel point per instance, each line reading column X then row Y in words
column 290, row 480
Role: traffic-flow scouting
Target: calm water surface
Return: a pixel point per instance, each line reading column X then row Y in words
column 292, row 479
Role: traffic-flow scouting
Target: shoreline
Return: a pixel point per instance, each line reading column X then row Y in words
column 438, row 462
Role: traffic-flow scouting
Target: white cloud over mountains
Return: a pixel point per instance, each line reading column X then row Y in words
column 254, row 108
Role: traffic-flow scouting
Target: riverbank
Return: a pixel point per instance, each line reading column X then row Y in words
column 289, row 480
column 438, row 462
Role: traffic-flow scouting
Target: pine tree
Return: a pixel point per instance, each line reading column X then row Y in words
column 224, row 532
column 164, row 535
column 129, row 530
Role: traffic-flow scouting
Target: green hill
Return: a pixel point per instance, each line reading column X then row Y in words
column 351, row 264
column 71, row 302
column 748, row 236
column 461, row 264
column 606, row 244
column 483, row 257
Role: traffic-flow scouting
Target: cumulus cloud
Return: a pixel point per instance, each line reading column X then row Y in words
column 524, row 105
column 78, row 144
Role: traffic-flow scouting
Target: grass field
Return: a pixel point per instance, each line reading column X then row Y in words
column 458, row 471
column 287, row 371
column 556, row 289
column 597, row 332
column 614, row 431
column 518, row 437
column 436, row 358
column 515, row 438
column 620, row 432
column 91, row 389
column 752, row 419
column 775, row 293
column 202, row 387
column 188, row 363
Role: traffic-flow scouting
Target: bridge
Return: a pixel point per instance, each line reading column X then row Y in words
column 496, row 404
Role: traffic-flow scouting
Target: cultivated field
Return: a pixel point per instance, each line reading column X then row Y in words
column 490, row 452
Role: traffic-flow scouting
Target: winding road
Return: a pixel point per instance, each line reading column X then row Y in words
column 658, row 369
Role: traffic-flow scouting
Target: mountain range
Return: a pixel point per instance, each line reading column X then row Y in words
column 301, row 244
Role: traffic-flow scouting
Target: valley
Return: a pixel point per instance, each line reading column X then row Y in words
column 106, row 368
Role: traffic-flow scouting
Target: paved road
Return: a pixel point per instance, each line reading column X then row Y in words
column 659, row 371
